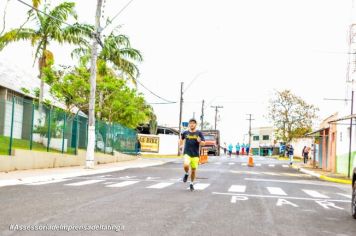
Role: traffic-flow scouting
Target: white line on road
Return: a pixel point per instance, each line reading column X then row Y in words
column 237, row 188
column 122, row 184
column 217, row 163
column 314, row 193
column 276, row 191
column 307, row 182
column 244, row 164
column 271, row 165
column 49, row 182
column 93, row 181
column 231, row 163
column 200, row 186
column 160, row 185
column 258, row 164
column 275, row 196
column 345, row 195
column 285, row 166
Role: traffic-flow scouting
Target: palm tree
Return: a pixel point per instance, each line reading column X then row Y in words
column 49, row 27
column 117, row 50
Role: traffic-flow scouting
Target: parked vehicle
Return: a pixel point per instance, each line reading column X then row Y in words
column 212, row 141
column 353, row 201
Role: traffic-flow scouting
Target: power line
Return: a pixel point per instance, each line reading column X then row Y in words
column 122, row 9
column 153, row 93
column 33, row 8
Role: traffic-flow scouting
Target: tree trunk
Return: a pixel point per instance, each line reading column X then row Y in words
column 94, row 56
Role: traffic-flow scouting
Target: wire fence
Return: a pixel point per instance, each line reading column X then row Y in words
column 26, row 125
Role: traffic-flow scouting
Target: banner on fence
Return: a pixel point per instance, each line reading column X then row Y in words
column 149, row 143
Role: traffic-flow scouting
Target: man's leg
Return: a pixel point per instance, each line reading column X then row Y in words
column 186, row 167
column 194, row 162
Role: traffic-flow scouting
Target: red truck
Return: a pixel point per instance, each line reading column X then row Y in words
column 212, row 141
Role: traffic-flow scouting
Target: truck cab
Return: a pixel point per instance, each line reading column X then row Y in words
column 212, row 141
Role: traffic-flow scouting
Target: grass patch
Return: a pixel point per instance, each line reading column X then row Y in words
column 25, row 144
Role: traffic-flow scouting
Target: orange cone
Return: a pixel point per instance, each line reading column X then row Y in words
column 250, row 159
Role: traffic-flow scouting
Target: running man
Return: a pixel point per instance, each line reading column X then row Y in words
column 192, row 140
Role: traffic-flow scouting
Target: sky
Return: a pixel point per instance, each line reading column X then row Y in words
column 237, row 53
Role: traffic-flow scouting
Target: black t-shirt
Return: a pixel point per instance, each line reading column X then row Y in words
column 191, row 147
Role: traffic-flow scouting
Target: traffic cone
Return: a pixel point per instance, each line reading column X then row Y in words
column 250, row 159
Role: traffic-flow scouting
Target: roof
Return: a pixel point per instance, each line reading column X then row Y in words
column 15, row 78
column 315, row 132
column 343, row 118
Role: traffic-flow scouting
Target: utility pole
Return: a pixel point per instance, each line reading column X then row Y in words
column 180, row 114
column 216, row 114
column 94, row 55
column 249, row 130
column 351, row 121
column 202, row 116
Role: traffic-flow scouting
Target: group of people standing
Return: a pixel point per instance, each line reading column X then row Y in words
column 242, row 149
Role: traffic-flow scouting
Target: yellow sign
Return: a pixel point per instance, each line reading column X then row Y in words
column 149, row 143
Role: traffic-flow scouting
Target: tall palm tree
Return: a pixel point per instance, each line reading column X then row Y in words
column 117, row 51
column 49, row 27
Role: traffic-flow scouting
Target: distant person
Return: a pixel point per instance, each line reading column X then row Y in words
column 305, row 154
column 243, row 148
column 247, row 149
column 230, row 149
column 290, row 153
column 237, row 147
column 138, row 146
column 225, row 149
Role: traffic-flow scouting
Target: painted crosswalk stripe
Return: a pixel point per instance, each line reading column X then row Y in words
column 314, row 193
column 258, row 164
column 345, row 195
column 271, row 165
column 244, row 164
column 200, row 186
column 217, row 163
column 285, row 166
column 237, row 188
column 276, row 191
column 86, row 182
column 122, row 184
column 231, row 163
column 49, row 182
column 160, row 185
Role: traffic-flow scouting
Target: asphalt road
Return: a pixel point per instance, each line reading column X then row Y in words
column 231, row 199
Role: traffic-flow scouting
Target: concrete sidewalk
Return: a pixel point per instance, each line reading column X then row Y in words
column 323, row 175
column 52, row 174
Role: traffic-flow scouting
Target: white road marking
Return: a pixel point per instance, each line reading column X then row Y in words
column 200, row 186
column 217, row 163
column 326, row 204
column 314, row 193
column 238, row 198
column 275, row 196
column 281, row 202
column 306, row 182
column 152, row 178
column 160, row 185
column 285, row 166
column 258, row 164
column 122, row 184
column 276, row 191
column 244, row 164
column 231, row 163
column 49, row 182
column 271, row 165
column 86, row 182
column 237, row 188
column 271, row 173
column 345, row 195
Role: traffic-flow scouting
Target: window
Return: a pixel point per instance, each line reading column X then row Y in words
column 256, row 138
column 265, row 137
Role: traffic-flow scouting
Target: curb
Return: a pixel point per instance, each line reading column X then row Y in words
column 322, row 177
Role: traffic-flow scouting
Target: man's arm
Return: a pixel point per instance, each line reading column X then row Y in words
column 201, row 139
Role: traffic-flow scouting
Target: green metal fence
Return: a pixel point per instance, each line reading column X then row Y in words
column 26, row 125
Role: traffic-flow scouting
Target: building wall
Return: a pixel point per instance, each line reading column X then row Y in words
column 342, row 148
column 299, row 144
column 261, row 132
